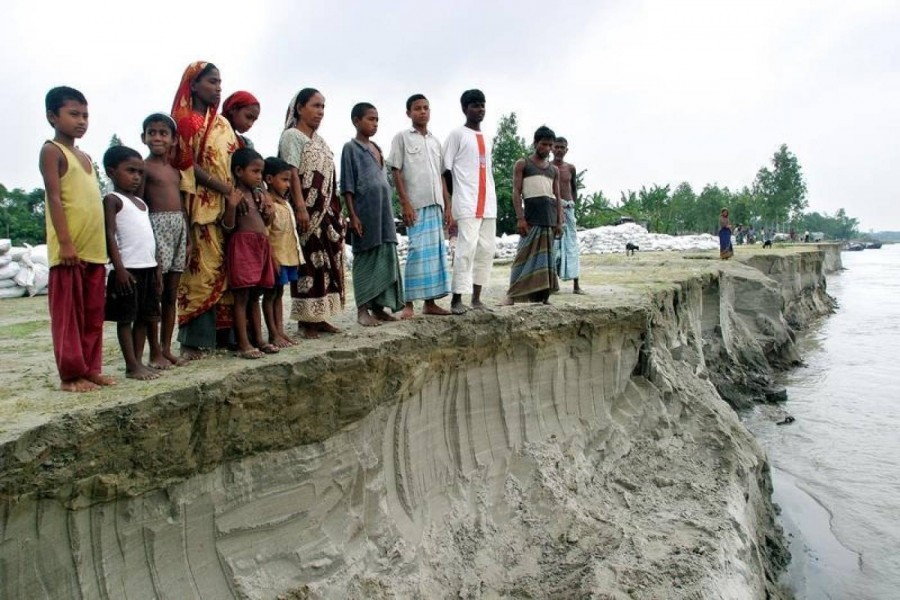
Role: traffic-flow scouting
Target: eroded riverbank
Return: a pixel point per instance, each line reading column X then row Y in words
column 575, row 450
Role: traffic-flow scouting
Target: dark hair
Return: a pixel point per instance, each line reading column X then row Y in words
column 60, row 95
column 413, row 98
column 275, row 165
column 116, row 155
column 470, row 97
column 159, row 118
column 562, row 140
column 304, row 96
column 360, row 109
column 205, row 71
column 544, row 133
column 242, row 157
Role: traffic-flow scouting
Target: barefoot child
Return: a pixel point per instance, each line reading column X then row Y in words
column 285, row 248
column 376, row 269
column 161, row 192
column 132, row 292
column 76, row 247
column 248, row 256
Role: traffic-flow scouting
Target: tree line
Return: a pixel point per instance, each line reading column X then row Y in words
column 777, row 199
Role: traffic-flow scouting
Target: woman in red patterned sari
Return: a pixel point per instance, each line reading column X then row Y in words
column 205, row 142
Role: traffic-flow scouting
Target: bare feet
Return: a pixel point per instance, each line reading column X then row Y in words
column 579, row 291
column 282, row 341
column 250, row 354
column 326, row 327
column 431, row 308
column 458, row 308
column 100, row 379
column 365, row 318
column 78, row 386
column 408, row 312
column 310, row 331
column 479, row 305
column 175, row 360
column 192, row 353
column 379, row 314
column 141, row 373
column 160, row 364
column 270, row 349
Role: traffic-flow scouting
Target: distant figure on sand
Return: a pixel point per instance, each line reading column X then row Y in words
column 132, row 292
column 318, row 294
column 568, row 259
column 76, row 245
column 726, row 250
column 469, row 177
column 417, row 168
column 377, row 283
column 161, row 191
column 536, row 182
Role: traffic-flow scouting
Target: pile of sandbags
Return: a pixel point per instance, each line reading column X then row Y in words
column 23, row 270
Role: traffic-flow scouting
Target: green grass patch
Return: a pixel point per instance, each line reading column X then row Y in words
column 24, row 329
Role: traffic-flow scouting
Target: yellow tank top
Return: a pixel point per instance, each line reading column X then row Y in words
column 83, row 207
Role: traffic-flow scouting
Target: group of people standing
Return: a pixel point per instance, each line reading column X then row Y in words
column 218, row 229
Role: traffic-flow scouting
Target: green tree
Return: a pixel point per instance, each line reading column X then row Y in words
column 710, row 203
column 594, row 210
column 115, row 140
column 781, row 190
column 655, row 207
column 22, row 216
column 508, row 148
column 682, row 207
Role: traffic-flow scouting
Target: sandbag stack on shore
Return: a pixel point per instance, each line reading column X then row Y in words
column 23, row 270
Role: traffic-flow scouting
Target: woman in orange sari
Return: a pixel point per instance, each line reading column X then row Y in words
column 205, row 143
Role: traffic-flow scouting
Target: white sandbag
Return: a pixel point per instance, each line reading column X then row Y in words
column 39, row 255
column 25, row 276
column 5, row 259
column 7, row 283
column 5, row 245
column 12, row 292
column 16, row 252
column 40, row 280
column 10, row 270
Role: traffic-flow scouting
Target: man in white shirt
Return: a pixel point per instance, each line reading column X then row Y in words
column 467, row 160
column 417, row 168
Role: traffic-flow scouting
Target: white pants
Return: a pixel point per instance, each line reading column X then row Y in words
column 474, row 254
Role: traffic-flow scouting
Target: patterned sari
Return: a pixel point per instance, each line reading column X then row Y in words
column 207, row 141
column 319, row 292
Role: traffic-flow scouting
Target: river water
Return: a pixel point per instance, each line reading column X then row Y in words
column 836, row 469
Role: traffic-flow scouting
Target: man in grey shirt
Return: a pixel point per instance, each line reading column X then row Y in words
column 416, row 165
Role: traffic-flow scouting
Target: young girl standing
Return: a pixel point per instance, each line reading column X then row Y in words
column 248, row 254
column 285, row 248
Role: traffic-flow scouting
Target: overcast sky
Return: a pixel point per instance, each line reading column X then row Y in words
column 646, row 91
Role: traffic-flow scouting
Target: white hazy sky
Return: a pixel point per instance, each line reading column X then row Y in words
column 646, row 91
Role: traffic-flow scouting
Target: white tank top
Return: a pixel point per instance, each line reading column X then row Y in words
column 134, row 235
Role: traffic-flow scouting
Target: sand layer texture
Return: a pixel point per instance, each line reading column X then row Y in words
column 582, row 450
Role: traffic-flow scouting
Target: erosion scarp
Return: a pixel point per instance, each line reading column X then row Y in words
column 571, row 452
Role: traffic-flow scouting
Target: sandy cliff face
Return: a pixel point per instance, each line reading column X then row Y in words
column 528, row 453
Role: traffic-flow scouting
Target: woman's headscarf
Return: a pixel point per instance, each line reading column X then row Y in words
column 188, row 123
column 182, row 106
column 290, row 119
column 237, row 101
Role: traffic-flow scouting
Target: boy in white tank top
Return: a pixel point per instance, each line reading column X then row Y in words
column 132, row 291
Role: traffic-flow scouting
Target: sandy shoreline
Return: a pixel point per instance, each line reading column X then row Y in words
column 589, row 430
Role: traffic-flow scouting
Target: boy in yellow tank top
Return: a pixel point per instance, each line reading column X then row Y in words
column 76, row 245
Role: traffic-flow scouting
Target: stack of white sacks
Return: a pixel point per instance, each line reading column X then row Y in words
column 602, row 240
column 23, row 270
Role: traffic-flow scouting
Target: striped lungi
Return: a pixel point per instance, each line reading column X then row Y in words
column 568, row 261
column 533, row 269
column 376, row 278
column 426, row 276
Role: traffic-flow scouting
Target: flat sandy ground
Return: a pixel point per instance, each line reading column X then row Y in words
column 29, row 383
